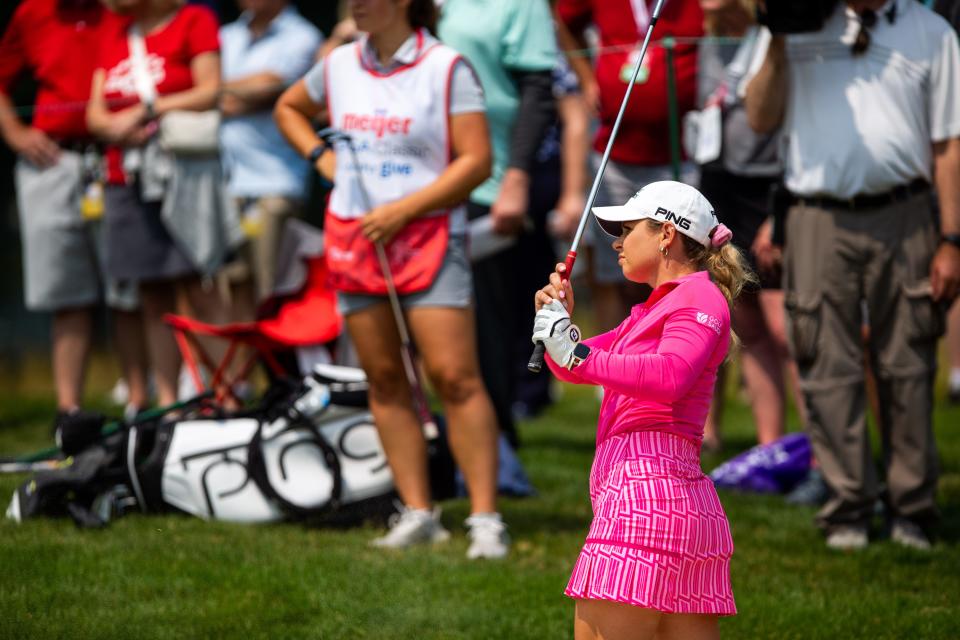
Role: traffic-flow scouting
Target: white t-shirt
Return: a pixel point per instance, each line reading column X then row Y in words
column 865, row 124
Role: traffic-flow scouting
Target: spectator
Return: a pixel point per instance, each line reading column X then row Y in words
column 513, row 49
column 656, row 562
column 266, row 50
column 641, row 152
column 58, row 160
column 414, row 111
column 182, row 52
column 870, row 112
column 737, row 176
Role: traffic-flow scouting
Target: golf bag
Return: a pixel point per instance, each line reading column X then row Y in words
column 308, row 451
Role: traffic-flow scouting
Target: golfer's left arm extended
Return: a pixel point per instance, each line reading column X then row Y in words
column 668, row 374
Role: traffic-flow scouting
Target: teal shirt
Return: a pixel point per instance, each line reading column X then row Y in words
column 497, row 37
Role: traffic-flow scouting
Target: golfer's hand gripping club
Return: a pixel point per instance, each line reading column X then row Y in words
column 535, row 364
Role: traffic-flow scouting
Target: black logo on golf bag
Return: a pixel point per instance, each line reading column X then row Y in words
column 670, row 216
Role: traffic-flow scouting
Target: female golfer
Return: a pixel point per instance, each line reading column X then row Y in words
column 656, row 559
column 414, row 113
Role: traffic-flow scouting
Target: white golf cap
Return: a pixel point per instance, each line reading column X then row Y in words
column 665, row 201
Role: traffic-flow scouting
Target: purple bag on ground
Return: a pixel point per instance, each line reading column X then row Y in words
column 771, row 468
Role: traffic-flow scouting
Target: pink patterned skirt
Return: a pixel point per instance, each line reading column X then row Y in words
column 659, row 537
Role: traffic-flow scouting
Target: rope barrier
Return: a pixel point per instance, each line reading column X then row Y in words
column 27, row 111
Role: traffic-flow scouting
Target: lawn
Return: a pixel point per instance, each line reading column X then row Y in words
column 172, row 576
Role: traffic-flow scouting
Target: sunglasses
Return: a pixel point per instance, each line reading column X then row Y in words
column 868, row 20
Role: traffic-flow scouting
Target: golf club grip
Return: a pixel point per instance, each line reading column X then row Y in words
column 535, row 364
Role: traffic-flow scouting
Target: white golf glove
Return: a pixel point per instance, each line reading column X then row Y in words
column 552, row 327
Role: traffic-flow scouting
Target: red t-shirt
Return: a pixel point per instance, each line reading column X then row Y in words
column 644, row 136
column 170, row 50
column 57, row 43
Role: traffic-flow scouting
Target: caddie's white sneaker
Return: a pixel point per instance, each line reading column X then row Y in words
column 488, row 536
column 412, row 526
column 848, row 538
column 909, row 534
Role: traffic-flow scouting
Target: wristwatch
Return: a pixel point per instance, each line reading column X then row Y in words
column 580, row 353
column 951, row 238
column 316, row 153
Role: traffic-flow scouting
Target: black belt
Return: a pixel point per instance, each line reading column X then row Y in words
column 871, row 201
column 78, row 146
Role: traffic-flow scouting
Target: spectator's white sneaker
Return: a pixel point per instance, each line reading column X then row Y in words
column 488, row 536
column 412, row 526
column 909, row 534
column 848, row 538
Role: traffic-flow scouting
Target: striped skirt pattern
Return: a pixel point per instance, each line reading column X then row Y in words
column 659, row 537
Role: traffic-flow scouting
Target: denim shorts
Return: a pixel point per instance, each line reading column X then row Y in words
column 452, row 288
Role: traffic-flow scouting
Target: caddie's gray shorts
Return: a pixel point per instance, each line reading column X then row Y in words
column 452, row 288
column 62, row 265
column 620, row 182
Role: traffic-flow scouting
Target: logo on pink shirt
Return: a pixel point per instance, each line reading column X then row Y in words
column 710, row 321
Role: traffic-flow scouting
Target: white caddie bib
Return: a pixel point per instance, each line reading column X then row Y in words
column 400, row 148
column 399, row 142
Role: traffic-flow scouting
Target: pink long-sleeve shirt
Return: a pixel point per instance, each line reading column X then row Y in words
column 658, row 368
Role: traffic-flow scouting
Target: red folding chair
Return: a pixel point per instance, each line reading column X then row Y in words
column 306, row 319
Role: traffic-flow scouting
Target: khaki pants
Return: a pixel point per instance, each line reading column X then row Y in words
column 837, row 263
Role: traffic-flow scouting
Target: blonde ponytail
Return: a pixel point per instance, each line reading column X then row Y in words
column 726, row 265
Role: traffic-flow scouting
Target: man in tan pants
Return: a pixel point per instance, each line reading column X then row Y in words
column 870, row 106
column 835, row 258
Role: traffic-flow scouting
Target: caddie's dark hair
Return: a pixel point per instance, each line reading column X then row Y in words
column 423, row 13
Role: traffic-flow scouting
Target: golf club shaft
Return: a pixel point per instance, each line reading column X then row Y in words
column 406, row 351
column 536, row 358
column 29, row 467
column 50, row 453
column 421, row 407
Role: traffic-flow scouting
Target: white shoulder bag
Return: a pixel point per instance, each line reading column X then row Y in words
column 181, row 132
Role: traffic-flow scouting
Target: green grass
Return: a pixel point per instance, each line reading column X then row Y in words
column 172, row 576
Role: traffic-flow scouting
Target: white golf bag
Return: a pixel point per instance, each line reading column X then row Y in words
column 308, row 451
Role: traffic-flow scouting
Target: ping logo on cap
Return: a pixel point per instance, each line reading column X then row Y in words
column 670, row 216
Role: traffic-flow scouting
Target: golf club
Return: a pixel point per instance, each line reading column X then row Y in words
column 52, row 457
column 332, row 136
column 536, row 359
